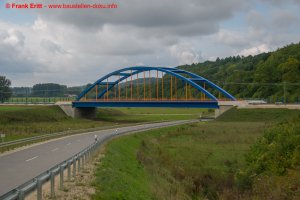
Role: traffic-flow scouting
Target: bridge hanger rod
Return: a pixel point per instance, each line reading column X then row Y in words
column 171, row 89
column 97, row 92
column 126, row 88
column 144, row 86
column 107, row 92
column 157, row 85
column 162, row 85
column 119, row 89
column 149, row 85
column 137, row 86
column 131, row 86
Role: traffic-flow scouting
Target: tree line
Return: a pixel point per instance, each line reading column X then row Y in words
column 46, row 90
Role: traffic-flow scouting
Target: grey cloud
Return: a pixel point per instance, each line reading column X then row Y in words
column 265, row 31
column 280, row 2
column 278, row 21
column 52, row 47
column 233, row 39
column 285, row 20
column 12, row 60
column 173, row 17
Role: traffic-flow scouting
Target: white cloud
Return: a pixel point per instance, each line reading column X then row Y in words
column 231, row 38
column 185, row 54
column 255, row 50
column 14, row 38
column 39, row 24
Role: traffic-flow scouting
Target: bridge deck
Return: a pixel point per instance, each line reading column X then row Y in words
column 162, row 104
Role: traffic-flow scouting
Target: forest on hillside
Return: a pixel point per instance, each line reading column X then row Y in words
column 273, row 76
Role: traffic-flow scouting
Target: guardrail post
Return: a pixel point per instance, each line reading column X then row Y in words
column 61, row 173
column 83, row 159
column 52, row 179
column 69, row 170
column 74, row 167
column 39, row 189
column 21, row 195
column 79, row 156
column 88, row 153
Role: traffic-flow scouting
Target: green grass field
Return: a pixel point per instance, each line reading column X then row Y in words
column 258, row 115
column 19, row 122
column 150, row 114
column 196, row 161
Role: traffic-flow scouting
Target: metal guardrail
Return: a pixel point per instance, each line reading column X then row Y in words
column 51, row 135
column 63, row 133
column 74, row 164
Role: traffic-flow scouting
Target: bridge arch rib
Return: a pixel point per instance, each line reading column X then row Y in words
column 178, row 73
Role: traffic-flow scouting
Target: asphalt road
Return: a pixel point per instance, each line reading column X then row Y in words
column 19, row 167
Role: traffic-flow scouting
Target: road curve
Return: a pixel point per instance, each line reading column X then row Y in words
column 19, row 167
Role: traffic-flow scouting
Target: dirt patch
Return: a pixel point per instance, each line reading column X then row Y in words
column 79, row 188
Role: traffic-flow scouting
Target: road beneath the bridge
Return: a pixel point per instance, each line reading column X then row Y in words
column 20, row 166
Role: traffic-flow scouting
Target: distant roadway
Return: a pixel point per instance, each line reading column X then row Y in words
column 21, row 166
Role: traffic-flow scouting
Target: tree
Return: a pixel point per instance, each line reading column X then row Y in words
column 49, row 90
column 5, row 91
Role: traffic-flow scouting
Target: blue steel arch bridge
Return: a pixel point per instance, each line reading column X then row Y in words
column 142, row 86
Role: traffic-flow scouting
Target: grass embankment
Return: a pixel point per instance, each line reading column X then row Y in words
column 26, row 121
column 196, row 161
column 136, row 115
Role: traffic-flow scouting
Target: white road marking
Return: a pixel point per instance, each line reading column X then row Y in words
column 69, row 144
column 30, row 159
column 54, row 149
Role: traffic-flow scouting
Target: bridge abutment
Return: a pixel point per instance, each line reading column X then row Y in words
column 222, row 109
column 87, row 112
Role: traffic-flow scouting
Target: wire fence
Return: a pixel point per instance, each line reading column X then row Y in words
column 36, row 100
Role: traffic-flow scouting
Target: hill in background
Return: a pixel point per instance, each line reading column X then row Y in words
column 273, row 76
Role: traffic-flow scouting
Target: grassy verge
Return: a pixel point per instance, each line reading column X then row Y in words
column 197, row 161
column 133, row 115
column 19, row 122
column 121, row 176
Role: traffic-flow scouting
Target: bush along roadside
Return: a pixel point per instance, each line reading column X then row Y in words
column 273, row 164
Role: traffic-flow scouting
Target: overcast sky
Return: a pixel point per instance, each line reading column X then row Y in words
column 78, row 46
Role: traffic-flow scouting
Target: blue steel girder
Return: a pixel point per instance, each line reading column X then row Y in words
column 137, row 104
column 171, row 71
